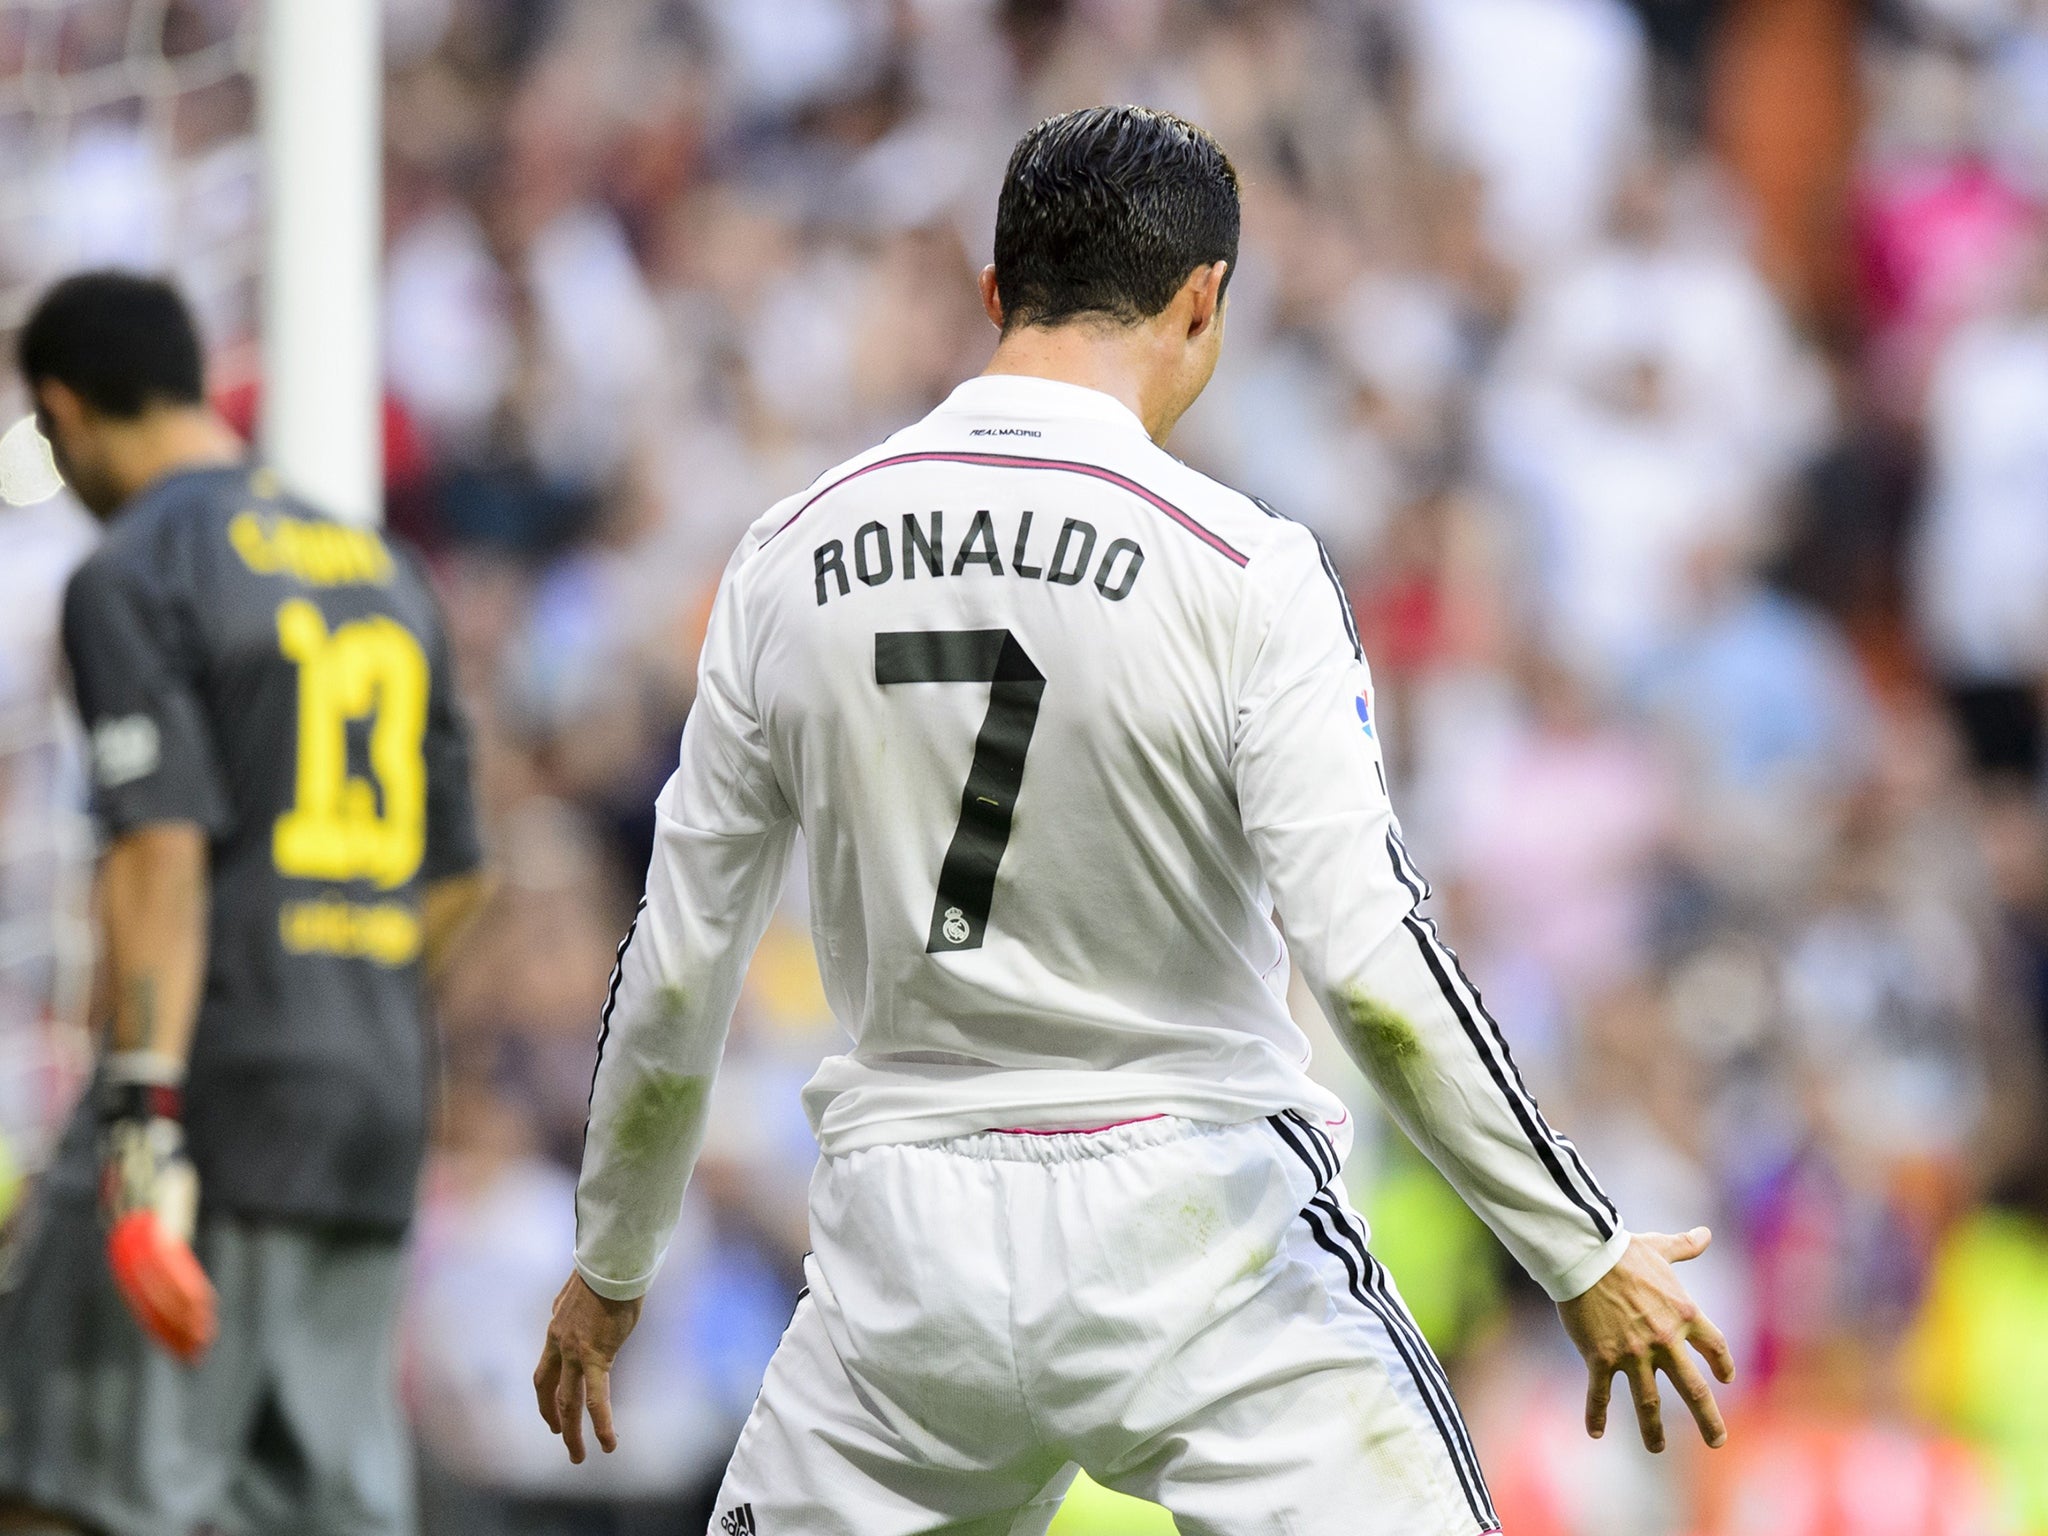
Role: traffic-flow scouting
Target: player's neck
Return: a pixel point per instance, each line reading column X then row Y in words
column 165, row 441
column 1114, row 363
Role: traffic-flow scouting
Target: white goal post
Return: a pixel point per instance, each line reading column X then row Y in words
column 234, row 145
column 320, row 94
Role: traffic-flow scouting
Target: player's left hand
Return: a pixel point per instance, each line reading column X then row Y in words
column 1638, row 1320
column 149, row 1194
column 575, row 1367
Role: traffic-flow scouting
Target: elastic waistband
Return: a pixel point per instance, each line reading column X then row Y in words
column 1026, row 1146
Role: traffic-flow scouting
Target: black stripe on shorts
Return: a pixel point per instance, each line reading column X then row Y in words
column 1373, row 1288
column 1428, row 1377
column 1398, row 1318
column 1290, row 1132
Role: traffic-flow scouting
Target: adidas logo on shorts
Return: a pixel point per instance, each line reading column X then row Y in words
column 738, row 1522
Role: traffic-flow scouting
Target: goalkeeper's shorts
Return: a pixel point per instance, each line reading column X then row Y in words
column 290, row 1423
column 1186, row 1310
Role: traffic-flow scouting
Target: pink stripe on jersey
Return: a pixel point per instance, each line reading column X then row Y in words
column 1086, row 1130
column 1021, row 461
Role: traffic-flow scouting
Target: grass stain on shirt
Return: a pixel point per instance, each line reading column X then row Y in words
column 1256, row 1261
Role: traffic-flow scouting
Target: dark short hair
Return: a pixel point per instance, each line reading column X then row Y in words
column 1106, row 211
column 123, row 341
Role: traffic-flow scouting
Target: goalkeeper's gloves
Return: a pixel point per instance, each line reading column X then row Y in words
column 150, row 1194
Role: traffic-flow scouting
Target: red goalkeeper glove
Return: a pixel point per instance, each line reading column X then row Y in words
column 150, row 1194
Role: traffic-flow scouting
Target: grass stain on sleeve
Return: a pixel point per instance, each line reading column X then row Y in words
column 1378, row 1033
column 660, row 1112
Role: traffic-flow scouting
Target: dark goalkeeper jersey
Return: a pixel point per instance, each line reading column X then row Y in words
column 249, row 664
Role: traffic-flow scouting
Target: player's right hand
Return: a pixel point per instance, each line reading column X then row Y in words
column 149, row 1192
column 1638, row 1320
column 575, row 1369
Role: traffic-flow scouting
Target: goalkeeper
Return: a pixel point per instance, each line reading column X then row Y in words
column 200, row 1333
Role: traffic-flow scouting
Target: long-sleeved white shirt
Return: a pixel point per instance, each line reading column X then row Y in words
column 1062, row 722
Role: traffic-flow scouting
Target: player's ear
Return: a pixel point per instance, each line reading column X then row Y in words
column 60, row 410
column 1204, row 289
column 991, row 296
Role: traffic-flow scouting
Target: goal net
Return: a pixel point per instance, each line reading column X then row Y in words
column 128, row 137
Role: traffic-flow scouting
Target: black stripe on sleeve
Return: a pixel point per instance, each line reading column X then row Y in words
column 1563, row 1142
column 1542, row 1137
column 1416, row 893
column 1343, row 600
column 1329, row 570
column 1493, row 1025
column 1404, row 860
column 611, row 995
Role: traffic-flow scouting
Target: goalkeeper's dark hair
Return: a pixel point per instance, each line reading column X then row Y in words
column 123, row 341
column 1104, row 212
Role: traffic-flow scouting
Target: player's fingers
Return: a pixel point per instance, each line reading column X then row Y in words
column 601, row 1408
column 1699, row 1397
column 1680, row 1246
column 1599, row 1389
column 1642, row 1385
column 1710, row 1342
column 569, row 1408
column 546, row 1377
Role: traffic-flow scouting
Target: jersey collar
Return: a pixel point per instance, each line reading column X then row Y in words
column 1027, row 395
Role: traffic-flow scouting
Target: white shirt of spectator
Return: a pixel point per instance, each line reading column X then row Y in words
column 1544, row 98
column 1982, row 571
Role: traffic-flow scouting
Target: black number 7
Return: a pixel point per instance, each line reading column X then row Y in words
column 967, row 880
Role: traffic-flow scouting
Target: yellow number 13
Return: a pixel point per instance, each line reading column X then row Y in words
column 336, row 828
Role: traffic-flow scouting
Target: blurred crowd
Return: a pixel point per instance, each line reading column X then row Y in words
column 1670, row 383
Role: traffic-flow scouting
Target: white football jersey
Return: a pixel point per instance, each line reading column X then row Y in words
column 1062, row 722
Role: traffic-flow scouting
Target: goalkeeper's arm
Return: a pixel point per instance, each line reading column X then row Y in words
column 159, row 793
column 154, row 897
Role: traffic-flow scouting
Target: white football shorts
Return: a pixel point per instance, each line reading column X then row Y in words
column 1187, row 1310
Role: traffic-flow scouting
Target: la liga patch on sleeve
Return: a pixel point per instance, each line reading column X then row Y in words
column 125, row 750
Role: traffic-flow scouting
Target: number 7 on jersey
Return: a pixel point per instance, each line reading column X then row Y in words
column 967, row 879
